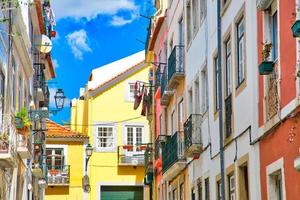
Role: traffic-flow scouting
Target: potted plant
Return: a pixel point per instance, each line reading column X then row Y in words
column 266, row 66
column 296, row 29
column 22, row 121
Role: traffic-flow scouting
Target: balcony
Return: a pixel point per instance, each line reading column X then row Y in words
column 158, row 74
column 228, row 116
column 39, row 81
column 149, row 158
column 24, row 146
column 131, row 155
column 175, row 66
column 192, row 136
column 173, row 160
column 164, row 89
column 58, row 175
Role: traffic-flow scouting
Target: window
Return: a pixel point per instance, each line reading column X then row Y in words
column 160, row 124
column 193, row 194
column 190, row 105
column 189, row 30
column 274, row 35
column 199, row 186
column 276, row 186
column 197, row 97
column 240, row 52
column 134, row 135
column 165, row 52
column 195, row 16
column 216, row 84
column 231, row 187
column 180, row 116
column 105, row 137
column 55, row 157
column 219, row 190
column 20, row 101
column 228, row 67
column 182, row 191
column 203, row 11
column 243, row 182
column 2, row 82
column 174, row 194
column 204, row 94
column 206, row 184
column 181, row 31
column 173, row 122
column 13, row 84
column 130, row 92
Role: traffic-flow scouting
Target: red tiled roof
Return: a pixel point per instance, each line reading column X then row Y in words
column 55, row 130
column 115, row 77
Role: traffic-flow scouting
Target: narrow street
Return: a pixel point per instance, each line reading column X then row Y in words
column 149, row 100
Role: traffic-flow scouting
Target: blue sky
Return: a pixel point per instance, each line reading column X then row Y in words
column 90, row 35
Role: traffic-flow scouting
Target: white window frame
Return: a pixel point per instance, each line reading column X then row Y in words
column 228, row 65
column 240, row 37
column 128, row 97
column 272, row 169
column 60, row 146
column 204, row 90
column 231, row 186
column 115, row 137
column 144, row 132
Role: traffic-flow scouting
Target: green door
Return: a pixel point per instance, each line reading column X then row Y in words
column 122, row 193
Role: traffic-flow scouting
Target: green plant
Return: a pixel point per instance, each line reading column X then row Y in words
column 23, row 117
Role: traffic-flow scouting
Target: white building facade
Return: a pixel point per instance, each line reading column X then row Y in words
column 239, row 98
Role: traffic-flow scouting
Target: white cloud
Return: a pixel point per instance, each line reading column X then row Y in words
column 92, row 8
column 120, row 21
column 77, row 41
column 55, row 63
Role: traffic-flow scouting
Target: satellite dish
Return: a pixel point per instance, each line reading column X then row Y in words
column 43, row 43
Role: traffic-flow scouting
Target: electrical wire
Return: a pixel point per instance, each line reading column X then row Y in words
column 110, row 123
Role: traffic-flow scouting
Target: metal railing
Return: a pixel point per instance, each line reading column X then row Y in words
column 131, row 155
column 8, row 135
column 228, row 115
column 158, row 74
column 157, row 147
column 58, row 174
column 149, row 157
column 173, row 150
column 175, row 61
column 192, row 134
column 164, row 81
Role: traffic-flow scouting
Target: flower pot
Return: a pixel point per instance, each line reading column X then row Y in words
column 53, row 34
column 266, row 67
column 128, row 147
column 296, row 29
column 19, row 123
column 22, row 131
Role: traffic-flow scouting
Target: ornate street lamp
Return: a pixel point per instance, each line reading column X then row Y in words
column 88, row 153
column 85, row 179
column 59, row 98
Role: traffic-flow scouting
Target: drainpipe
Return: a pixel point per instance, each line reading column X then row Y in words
column 220, row 99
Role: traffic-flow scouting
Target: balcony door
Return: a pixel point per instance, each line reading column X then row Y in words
column 134, row 137
column 55, row 158
column 181, row 43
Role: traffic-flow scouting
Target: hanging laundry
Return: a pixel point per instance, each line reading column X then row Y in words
column 139, row 91
column 144, row 106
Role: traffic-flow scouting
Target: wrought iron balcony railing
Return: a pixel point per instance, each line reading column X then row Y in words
column 192, row 135
column 157, row 147
column 173, row 151
column 149, row 157
column 164, row 88
column 228, row 115
column 58, row 175
column 158, row 75
column 131, row 155
column 176, row 66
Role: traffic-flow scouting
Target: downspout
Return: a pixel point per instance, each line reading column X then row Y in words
column 220, row 99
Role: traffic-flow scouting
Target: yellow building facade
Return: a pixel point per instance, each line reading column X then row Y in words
column 117, row 132
column 65, row 162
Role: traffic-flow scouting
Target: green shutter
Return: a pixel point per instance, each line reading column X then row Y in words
column 121, row 193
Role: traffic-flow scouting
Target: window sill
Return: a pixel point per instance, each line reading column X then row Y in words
column 106, row 150
column 240, row 88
